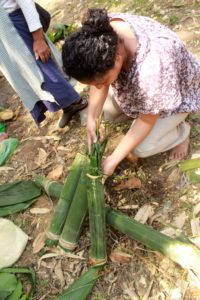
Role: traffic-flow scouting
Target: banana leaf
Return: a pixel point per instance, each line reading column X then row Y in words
column 18, row 191
column 13, row 209
column 7, row 147
column 17, row 292
column 81, row 287
column 8, row 283
column 28, row 272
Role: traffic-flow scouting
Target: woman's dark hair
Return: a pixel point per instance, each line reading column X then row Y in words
column 91, row 50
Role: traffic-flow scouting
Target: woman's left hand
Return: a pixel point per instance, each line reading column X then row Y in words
column 41, row 50
column 108, row 166
column 40, row 47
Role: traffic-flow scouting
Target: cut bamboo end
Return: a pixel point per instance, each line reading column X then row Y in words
column 47, row 186
column 98, row 262
column 67, row 246
column 52, row 236
column 51, row 243
column 51, row 239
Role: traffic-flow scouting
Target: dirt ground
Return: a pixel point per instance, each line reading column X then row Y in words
column 167, row 197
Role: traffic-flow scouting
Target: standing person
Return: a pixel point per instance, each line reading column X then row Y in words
column 155, row 81
column 31, row 65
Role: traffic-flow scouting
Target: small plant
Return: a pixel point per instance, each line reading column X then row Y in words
column 99, row 297
column 173, row 20
column 61, row 31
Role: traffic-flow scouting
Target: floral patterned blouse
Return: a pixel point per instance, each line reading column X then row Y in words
column 163, row 77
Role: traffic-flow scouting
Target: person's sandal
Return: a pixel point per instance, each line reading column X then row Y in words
column 70, row 111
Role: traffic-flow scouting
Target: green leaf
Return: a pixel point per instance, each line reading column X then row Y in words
column 81, row 287
column 29, row 272
column 8, row 283
column 59, row 26
column 18, row 191
column 51, row 36
column 12, row 209
column 17, row 292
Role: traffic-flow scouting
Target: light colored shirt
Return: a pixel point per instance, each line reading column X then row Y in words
column 29, row 11
column 164, row 77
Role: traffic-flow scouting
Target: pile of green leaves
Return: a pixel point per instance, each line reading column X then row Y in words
column 60, row 31
column 17, row 196
column 11, row 285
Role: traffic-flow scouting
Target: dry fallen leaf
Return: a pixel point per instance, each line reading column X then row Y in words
column 131, row 183
column 179, row 220
column 119, row 256
column 56, row 253
column 195, row 226
column 39, row 210
column 56, row 173
column 38, row 243
column 2, row 169
column 59, row 273
column 41, row 157
column 196, row 209
column 144, row 213
column 128, row 207
column 130, row 291
column 38, row 138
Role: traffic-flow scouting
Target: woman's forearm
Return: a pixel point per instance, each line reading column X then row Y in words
column 97, row 98
column 38, row 35
column 136, row 134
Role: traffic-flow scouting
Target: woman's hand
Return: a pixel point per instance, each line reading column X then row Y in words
column 91, row 133
column 109, row 165
column 41, row 50
column 40, row 47
column 136, row 134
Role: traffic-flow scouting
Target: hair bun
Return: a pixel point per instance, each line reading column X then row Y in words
column 96, row 21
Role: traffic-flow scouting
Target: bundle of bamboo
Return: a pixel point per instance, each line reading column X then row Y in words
column 72, row 184
column 185, row 253
column 90, row 197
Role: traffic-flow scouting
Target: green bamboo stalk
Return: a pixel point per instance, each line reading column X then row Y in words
column 96, row 205
column 75, row 217
column 66, row 196
column 185, row 254
column 189, row 164
column 50, row 187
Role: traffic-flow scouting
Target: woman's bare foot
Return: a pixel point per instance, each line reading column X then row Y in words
column 180, row 151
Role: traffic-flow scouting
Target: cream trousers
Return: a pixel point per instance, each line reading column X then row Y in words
column 166, row 134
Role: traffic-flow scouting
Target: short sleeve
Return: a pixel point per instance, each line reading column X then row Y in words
column 158, row 80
